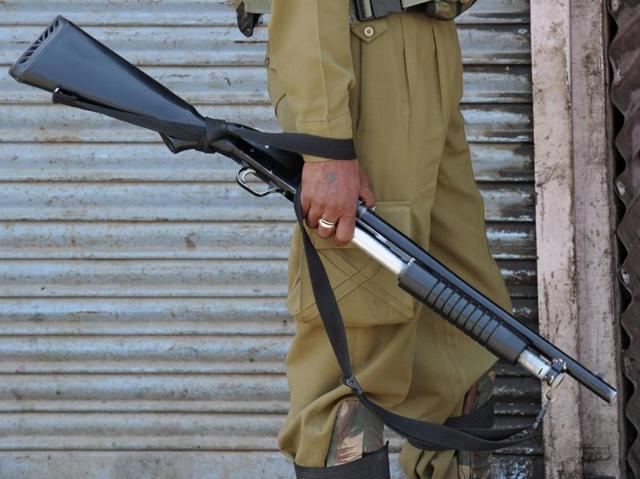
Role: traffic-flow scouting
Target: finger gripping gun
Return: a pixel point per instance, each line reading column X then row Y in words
column 81, row 72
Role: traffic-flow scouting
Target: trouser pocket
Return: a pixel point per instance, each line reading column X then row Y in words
column 367, row 293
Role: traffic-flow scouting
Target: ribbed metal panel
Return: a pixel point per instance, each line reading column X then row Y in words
column 625, row 94
column 142, row 322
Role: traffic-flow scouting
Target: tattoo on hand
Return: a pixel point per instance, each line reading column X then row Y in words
column 331, row 177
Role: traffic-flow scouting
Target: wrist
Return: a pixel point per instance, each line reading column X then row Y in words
column 315, row 159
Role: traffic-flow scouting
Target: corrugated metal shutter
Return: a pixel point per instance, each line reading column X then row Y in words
column 143, row 329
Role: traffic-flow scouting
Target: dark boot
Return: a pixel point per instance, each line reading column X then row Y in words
column 370, row 466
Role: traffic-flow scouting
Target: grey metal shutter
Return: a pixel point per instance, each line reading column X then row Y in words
column 142, row 323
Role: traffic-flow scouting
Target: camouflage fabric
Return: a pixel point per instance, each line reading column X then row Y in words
column 356, row 431
column 448, row 9
column 474, row 464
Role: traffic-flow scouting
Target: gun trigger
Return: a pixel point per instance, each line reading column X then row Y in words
column 242, row 176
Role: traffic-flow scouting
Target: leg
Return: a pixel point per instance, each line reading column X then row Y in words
column 474, row 464
column 389, row 141
column 356, row 432
column 458, row 239
column 357, row 448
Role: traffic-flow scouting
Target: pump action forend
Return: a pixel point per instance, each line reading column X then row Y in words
column 83, row 73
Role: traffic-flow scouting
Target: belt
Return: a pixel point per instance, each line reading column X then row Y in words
column 360, row 10
column 372, row 9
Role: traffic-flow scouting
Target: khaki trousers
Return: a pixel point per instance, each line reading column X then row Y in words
column 411, row 143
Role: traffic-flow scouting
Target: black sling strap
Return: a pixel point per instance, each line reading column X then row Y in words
column 472, row 432
column 299, row 143
column 213, row 129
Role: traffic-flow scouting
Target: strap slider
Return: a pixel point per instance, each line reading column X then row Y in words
column 353, row 384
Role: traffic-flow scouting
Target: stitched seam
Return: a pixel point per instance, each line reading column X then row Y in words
column 327, row 120
column 322, row 72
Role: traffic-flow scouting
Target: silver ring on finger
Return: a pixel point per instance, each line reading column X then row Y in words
column 326, row 224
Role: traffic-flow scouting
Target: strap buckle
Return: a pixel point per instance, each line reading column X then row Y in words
column 352, row 383
column 372, row 9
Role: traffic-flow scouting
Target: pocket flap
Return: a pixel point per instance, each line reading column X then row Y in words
column 370, row 30
column 372, row 290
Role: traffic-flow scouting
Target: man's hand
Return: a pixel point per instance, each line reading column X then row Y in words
column 330, row 190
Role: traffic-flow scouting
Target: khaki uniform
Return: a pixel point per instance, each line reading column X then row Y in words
column 395, row 85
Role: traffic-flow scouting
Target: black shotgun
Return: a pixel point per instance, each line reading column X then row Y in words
column 83, row 73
